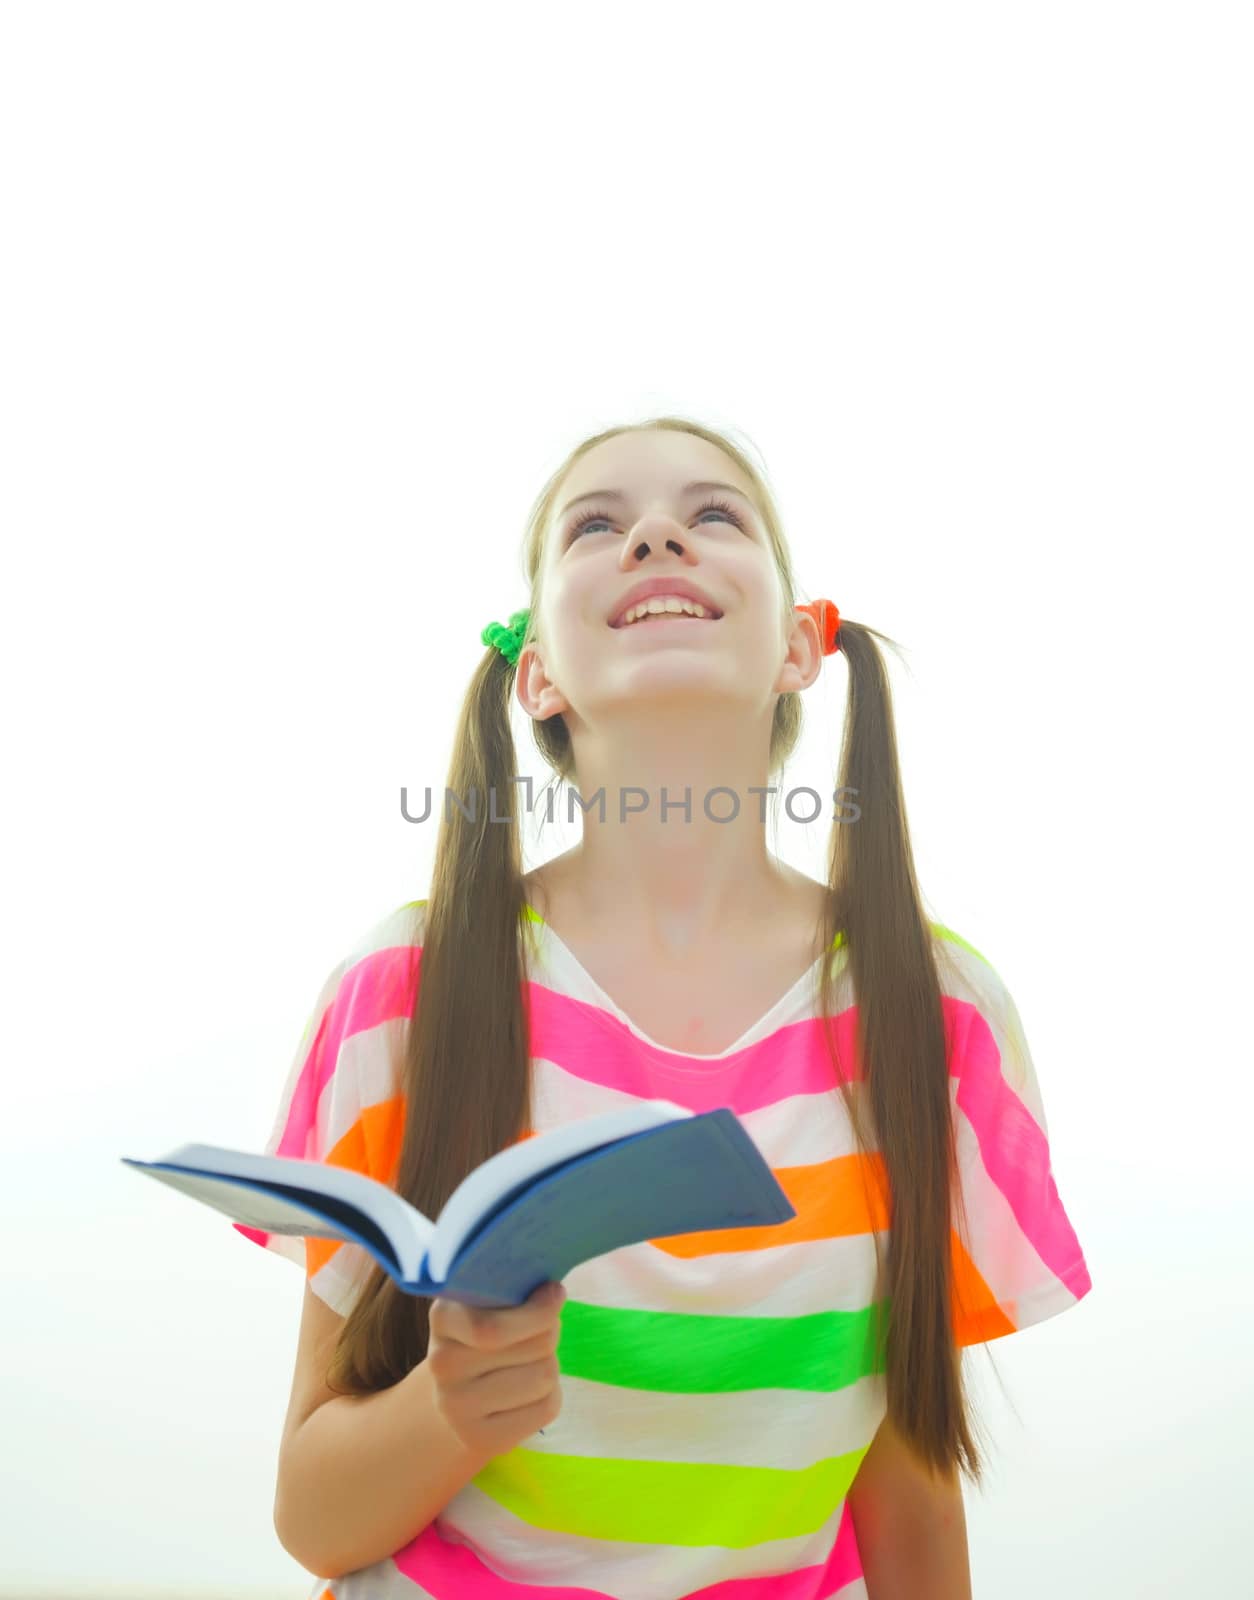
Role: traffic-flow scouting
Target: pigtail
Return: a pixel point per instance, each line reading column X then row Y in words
column 465, row 1072
column 900, row 1098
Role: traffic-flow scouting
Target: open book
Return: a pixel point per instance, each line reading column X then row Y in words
column 529, row 1214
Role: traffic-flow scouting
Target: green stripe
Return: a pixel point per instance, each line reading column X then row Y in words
column 674, row 1352
column 667, row 1502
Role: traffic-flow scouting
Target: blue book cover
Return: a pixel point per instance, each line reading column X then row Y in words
column 524, row 1217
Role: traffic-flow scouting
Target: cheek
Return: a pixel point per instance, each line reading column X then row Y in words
column 575, row 604
column 568, row 630
column 762, row 595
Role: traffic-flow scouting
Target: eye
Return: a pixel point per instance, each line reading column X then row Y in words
column 727, row 514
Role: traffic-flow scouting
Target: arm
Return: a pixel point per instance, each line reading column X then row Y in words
column 360, row 1475
column 911, row 1525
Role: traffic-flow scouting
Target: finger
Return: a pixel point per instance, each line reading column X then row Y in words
column 497, row 1327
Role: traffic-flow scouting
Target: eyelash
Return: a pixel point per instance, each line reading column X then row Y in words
column 710, row 505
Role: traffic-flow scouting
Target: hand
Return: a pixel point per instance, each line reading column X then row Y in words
column 495, row 1369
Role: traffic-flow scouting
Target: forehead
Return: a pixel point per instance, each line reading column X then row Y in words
column 649, row 463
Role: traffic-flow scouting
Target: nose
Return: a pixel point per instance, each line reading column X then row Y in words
column 635, row 553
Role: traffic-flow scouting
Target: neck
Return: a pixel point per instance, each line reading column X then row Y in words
column 658, row 865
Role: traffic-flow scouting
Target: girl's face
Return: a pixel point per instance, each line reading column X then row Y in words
column 671, row 507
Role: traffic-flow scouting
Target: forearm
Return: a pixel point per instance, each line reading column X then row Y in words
column 919, row 1559
column 365, row 1474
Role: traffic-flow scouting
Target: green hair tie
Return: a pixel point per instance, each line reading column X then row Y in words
column 507, row 637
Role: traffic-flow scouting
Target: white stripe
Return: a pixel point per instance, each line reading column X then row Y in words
column 789, row 1280
column 798, row 1130
column 403, row 926
column 339, row 1280
column 1004, row 1255
column 627, row 1571
column 785, row 1429
column 965, row 977
column 367, row 1073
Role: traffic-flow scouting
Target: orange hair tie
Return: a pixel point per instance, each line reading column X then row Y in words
column 828, row 619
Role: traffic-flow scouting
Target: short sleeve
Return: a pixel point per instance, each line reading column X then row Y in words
column 1016, row 1257
column 342, row 1101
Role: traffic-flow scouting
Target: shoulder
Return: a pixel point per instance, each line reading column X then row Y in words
column 400, row 929
column 347, row 1060
column 988, row 1040
column 972, row 989
column 967, row 976
column 374, row 981
column 395, row 937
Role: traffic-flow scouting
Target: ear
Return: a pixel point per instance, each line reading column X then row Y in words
column 534, row 690
column 804, row 658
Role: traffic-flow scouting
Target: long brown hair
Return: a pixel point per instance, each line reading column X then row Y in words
column 466, row 1074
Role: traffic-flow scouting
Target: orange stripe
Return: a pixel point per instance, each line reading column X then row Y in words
column 832, row 1199
column 372, row 1146
column 976, row 1314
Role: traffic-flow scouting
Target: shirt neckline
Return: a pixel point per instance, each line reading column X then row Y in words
column 753, row 1034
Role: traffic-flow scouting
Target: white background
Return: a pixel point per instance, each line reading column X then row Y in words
column 303, row 304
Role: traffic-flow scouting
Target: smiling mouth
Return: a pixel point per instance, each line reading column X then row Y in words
column 661, row 616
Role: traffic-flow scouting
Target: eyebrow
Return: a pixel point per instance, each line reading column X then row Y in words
column 617, row 494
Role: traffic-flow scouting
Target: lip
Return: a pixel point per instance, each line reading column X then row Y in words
column 679, row 587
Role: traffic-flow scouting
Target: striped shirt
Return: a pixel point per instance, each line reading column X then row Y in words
column 719, row 1389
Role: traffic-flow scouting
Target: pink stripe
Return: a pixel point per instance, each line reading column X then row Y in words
column 594, row 1046
column 378, row 988
column 453, row 1572
column 1015, row 1153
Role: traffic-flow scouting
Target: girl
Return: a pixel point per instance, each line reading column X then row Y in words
column 781, row 1405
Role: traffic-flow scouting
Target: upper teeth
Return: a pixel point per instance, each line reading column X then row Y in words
column 659, row 603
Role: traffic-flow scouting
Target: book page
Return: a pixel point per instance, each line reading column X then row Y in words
column 512, row 1169
column 407, row 1231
